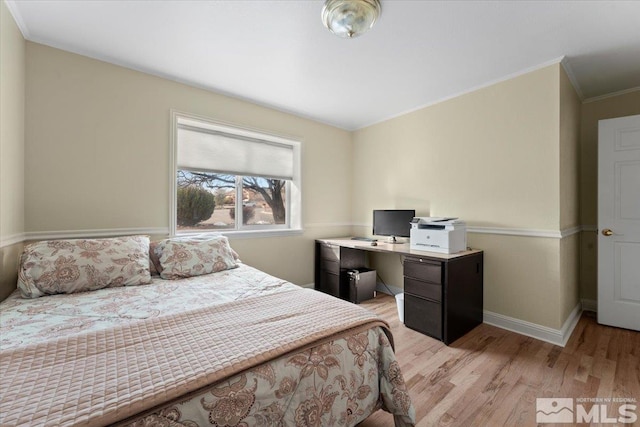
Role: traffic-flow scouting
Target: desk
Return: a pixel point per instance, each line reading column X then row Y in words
column 442, row 292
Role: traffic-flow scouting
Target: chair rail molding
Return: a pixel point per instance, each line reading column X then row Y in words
column 103, row 232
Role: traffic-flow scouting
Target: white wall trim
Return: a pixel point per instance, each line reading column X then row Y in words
column 524, row 232
column 571, row 323
column 543, row 333
column 469, row 90
column 572, row 77
column 589, row 305
column 327, row 224
column 107, row 232
column 12, row 239
column 570, row 231
column 611, row 95
column 110, row 232
column 17, row 17
column 527, row 232
column 255, row 234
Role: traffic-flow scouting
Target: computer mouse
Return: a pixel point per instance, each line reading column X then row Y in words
column 374, row 243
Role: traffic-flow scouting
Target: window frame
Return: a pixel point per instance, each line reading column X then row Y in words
column 293, row 188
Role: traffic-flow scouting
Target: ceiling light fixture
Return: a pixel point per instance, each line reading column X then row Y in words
column 350, row 18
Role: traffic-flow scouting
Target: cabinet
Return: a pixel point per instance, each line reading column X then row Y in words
column 443, row 297
column 332, row 264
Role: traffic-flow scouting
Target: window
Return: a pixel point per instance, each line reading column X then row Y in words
column 233, row 180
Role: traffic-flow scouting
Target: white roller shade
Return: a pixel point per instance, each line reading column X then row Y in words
column 210, row 149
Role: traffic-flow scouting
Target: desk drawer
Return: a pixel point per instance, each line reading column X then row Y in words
column 329, row 252
column 420, row 269
column 330, row 266
column 330, row 283
column 428, row 290
column 423, row 315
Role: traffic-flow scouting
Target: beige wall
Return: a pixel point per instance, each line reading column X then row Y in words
column 521, row 277
column 569, row 154
column 494, row 157
column 12, row 103
column 570, row 107
column 12, row 106
column 607, row 108
column 490, row 156
column 97, row 155
column 569, row 274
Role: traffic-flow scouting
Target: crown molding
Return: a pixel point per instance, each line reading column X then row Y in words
column 12, row 5
column 572, row 77
column 611, row 95
column 467, row 91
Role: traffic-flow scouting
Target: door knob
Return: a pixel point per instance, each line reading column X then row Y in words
column 607, row 232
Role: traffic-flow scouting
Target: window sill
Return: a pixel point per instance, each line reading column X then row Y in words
column 254, row 234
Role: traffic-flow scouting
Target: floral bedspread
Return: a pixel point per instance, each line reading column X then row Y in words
column 338, row 381
column 25, row 321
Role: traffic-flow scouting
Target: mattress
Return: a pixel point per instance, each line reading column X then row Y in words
column 237, row 347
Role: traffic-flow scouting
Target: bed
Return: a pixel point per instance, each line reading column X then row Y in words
column 234, row 347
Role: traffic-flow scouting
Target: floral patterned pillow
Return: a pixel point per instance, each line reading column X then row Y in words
column 69, row 266
column 182, row 257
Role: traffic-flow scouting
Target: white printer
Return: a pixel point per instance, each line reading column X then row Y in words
column 434, row 234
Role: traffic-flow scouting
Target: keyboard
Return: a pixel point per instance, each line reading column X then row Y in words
column 364, row 239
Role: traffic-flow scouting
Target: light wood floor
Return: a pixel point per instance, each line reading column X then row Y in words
column 492, row 377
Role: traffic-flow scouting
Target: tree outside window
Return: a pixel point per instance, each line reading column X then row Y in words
column 263, row 200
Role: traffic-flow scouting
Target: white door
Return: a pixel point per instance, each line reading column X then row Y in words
column 619, row 222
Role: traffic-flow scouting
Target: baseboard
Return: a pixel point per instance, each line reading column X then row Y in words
column 589, row 305
column 554, row 336
column 571, row 323
column 309, row 285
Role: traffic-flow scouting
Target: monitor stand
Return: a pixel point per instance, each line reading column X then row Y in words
column 392, row 240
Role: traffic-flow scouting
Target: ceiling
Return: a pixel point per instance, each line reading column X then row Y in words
column 278, row 54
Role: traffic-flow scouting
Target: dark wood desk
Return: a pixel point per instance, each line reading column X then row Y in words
column 442, row 292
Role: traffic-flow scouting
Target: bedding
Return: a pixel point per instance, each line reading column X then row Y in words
column 187, row 258
column 237, row 347
column 79, row 265
column 156, row 249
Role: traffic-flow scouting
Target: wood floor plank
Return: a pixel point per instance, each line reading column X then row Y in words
column 496, row 412
column 492, row 377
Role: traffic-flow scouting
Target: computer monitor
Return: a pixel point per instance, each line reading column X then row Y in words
column 392, row 223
